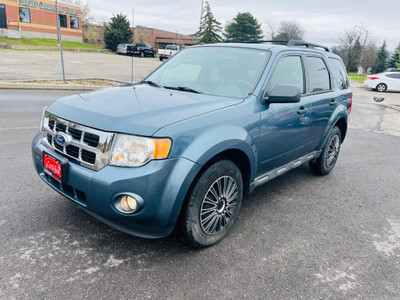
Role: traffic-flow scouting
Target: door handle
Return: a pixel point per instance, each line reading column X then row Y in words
column 333, row 102
column 302, row 110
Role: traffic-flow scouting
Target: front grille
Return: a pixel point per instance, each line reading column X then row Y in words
column 87, row 146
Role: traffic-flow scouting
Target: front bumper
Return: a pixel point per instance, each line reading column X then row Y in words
column 162, row 184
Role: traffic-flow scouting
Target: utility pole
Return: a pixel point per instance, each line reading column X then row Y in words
column 133, row 27
column 60, row 41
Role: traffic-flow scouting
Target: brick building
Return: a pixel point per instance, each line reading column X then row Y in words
column 160, row 38
column 37, row 19
column 155, row 37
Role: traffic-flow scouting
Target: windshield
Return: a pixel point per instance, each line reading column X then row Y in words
column 171, row 47
column 219, row 71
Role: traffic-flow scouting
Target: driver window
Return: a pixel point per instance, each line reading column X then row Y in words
column 289, row 70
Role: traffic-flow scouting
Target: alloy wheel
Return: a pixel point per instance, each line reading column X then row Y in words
column 218, row 205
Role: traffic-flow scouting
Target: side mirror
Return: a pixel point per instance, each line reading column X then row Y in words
column 283, row 93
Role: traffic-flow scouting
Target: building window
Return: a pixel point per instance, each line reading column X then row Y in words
column 99, row 42
column 74, row 22
column 63, row 21
column 3, row 19
column 86, row 41
column 24, row 15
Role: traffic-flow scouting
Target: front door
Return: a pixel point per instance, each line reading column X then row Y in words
column 3, row 19
column 284, row 126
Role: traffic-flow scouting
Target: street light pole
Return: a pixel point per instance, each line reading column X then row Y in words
column 60, row 41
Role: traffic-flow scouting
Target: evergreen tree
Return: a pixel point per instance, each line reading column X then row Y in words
column 244, row 28
column 116, row 32
column 398, row 64
column 354, row 56
column 210, row 28
column 395, row 58
column 381, row 61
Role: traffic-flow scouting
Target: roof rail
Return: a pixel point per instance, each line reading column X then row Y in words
column 285, row 43
column 307, row 44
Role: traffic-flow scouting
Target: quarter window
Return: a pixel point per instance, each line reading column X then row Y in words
column 318, row 74
column 289, row 70
column 74, row 22
column 24, row 15
column 339, row 73
column 63, row 21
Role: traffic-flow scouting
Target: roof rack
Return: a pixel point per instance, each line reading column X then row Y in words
column 285, row 43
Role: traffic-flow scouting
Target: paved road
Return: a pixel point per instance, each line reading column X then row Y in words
column 297, row 237
column 45, row 65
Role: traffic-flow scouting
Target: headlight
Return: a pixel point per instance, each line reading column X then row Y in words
column 134, row 151
column 44, row 112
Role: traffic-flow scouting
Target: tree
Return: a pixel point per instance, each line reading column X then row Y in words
column 244, row 28
column 381, row 61
column 398, row 64
column 369, row 55
column 395, row 58
column 88, row 19
column 118, row 31
column 289, row 30
column 210, row 28
column 350, row 49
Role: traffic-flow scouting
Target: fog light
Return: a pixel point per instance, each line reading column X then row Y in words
column 128, row 204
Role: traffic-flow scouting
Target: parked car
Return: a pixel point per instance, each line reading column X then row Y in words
column 183, row 146
column 383, row 82
column 122, row 49
column 169, row 51
column 392, row 70
column 143, row 50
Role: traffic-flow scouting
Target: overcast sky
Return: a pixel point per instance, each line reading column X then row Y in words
column 322, row 20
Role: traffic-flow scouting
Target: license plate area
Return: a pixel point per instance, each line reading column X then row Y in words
column 53, row 167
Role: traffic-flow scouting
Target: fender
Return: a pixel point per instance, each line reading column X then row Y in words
column 219, row 139
column 214, row 141
column 338, row 113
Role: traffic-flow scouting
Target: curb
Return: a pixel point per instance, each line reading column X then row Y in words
column 28, row 86
column 392, row 106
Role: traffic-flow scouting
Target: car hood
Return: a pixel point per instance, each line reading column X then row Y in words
column 139, row 109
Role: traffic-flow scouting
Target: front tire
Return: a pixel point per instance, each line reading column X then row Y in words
column 329, row 154
column 213, row 205
column 381, row 87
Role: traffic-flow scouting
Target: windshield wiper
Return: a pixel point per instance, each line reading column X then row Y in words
column 149, row 82
column 182, row 88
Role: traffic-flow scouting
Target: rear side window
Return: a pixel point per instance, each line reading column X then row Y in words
column 397, row 76
column 318, row 74
column 339, row 73
column 289, row 70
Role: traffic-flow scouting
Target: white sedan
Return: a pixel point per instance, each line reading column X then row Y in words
column 388, row 81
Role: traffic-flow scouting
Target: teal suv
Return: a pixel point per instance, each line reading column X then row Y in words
column 183, row 147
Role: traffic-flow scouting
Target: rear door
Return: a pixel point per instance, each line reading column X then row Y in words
column 321, row 93
column 3, row 20
column 393, row 81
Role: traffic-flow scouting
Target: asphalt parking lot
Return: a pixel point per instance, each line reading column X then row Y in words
column 46, row 65
column 297, row 237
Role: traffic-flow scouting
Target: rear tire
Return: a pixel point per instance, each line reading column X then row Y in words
column 161, row 59
column 213, row 205
column 141, row 54
column 381, row 87
column 329, row 154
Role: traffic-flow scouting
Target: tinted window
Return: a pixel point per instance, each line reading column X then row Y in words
column 63, row 21
column 74, row 22
column 289, row 70
column 24, row 15
column 396, row 76
column 318, row 74
column 339, row 73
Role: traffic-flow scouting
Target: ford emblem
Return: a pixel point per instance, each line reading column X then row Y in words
column 62, row 139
